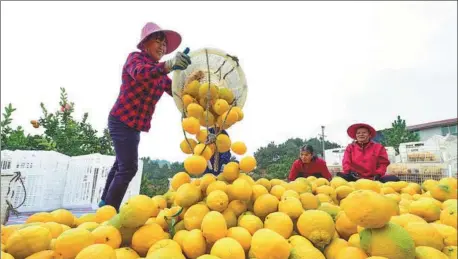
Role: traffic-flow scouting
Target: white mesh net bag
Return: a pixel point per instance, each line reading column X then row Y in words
column 213, row 89
column 223, row 70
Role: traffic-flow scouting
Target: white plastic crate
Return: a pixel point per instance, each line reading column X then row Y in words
column 334, row 156
column 391, row 154
column 44, row 175
column 420, row 152
column 449, row 150
column 452, row 165
column 133, row 189
column 5, row 181
column 83, row 172
column 7, row 159
column 86, row 179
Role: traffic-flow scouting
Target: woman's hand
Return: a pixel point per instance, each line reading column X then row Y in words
column 180, row 62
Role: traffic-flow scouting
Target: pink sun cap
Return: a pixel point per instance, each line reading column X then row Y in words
column 173, row 37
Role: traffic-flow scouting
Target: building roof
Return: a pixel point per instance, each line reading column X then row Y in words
column 433, row 124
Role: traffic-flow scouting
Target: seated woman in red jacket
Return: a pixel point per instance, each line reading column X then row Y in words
column 364, row 158
column 309, row 165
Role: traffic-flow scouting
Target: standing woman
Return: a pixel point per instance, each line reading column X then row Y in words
column 309, row 165
column 144, row 80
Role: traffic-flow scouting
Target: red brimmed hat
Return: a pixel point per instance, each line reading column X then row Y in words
column 351, row 131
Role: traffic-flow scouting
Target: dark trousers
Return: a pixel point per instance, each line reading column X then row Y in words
column 383, row 179
column 125, row 141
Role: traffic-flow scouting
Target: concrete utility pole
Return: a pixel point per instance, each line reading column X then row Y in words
column 322, row 141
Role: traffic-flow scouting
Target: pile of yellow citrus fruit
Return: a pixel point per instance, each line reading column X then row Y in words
column 233, row 216
column 236, row 217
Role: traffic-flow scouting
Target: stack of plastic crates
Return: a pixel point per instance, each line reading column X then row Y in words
column 450, row 155
column 418, row 173
column 43, row 173
column 453, row 167
column 420, row 161
column 86, row 179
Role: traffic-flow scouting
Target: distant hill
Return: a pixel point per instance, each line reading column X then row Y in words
column 161, row 162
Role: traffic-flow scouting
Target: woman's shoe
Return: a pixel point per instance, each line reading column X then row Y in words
column 102, row 203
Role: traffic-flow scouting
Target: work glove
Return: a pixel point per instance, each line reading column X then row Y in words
column 354, row 175
column 180, row 62
column 209, row 165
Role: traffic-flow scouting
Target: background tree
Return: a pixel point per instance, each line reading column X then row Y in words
column 62, row 133
column 398, row 134
column 156, row 174
column 68, row 136
column 14, row 139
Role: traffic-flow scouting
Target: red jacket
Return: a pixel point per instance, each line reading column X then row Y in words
column 301, row 169
column 367, row 160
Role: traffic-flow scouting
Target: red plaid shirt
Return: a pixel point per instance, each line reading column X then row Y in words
column 143, row 83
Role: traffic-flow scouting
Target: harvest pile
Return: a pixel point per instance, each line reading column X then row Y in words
column 232, row 216
column 211, row 217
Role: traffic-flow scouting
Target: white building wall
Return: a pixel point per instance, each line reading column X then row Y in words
column 428, row 133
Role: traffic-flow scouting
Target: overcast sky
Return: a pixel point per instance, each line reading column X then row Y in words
column 307, row 63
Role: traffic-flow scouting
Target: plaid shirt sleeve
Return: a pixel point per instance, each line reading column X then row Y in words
column 168, row 86
column 139, row 70
column 143, row 83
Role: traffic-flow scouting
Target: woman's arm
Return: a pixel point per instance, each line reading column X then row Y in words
column 293, row 172
column 346, row 161
column 382, row 162
column 325, row 171
column 139, row 70
column 168, row 86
